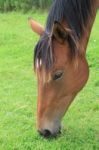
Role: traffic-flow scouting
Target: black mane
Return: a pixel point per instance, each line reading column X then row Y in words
column 76, row 13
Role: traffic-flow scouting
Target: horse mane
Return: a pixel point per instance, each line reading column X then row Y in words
column 76, row 13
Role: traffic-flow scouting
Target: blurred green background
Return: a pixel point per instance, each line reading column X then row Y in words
column 24, row 5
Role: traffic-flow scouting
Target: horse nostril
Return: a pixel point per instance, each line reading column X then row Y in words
column 46, row 133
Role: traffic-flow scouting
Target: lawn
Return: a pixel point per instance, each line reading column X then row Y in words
column 18, row 92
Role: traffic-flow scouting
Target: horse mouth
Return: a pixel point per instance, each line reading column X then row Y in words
column 48, row 134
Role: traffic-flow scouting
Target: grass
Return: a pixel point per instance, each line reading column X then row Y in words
column 18, row 92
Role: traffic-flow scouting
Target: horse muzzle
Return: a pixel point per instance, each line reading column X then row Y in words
column 48, row 134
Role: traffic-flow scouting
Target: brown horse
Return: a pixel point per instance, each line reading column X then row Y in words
column 60, row 59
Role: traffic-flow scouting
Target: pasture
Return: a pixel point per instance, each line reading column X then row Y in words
column 18, row 92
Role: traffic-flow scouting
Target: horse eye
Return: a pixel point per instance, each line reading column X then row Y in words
column 57, row 75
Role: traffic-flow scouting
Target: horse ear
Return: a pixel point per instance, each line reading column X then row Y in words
column 36, row 27
column 60, row 33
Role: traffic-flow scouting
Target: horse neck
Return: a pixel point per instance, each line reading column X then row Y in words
column 85, row 38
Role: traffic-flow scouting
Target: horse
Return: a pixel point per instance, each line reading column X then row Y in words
column 60, row 60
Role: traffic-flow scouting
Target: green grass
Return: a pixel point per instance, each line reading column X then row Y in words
column 18, row 92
